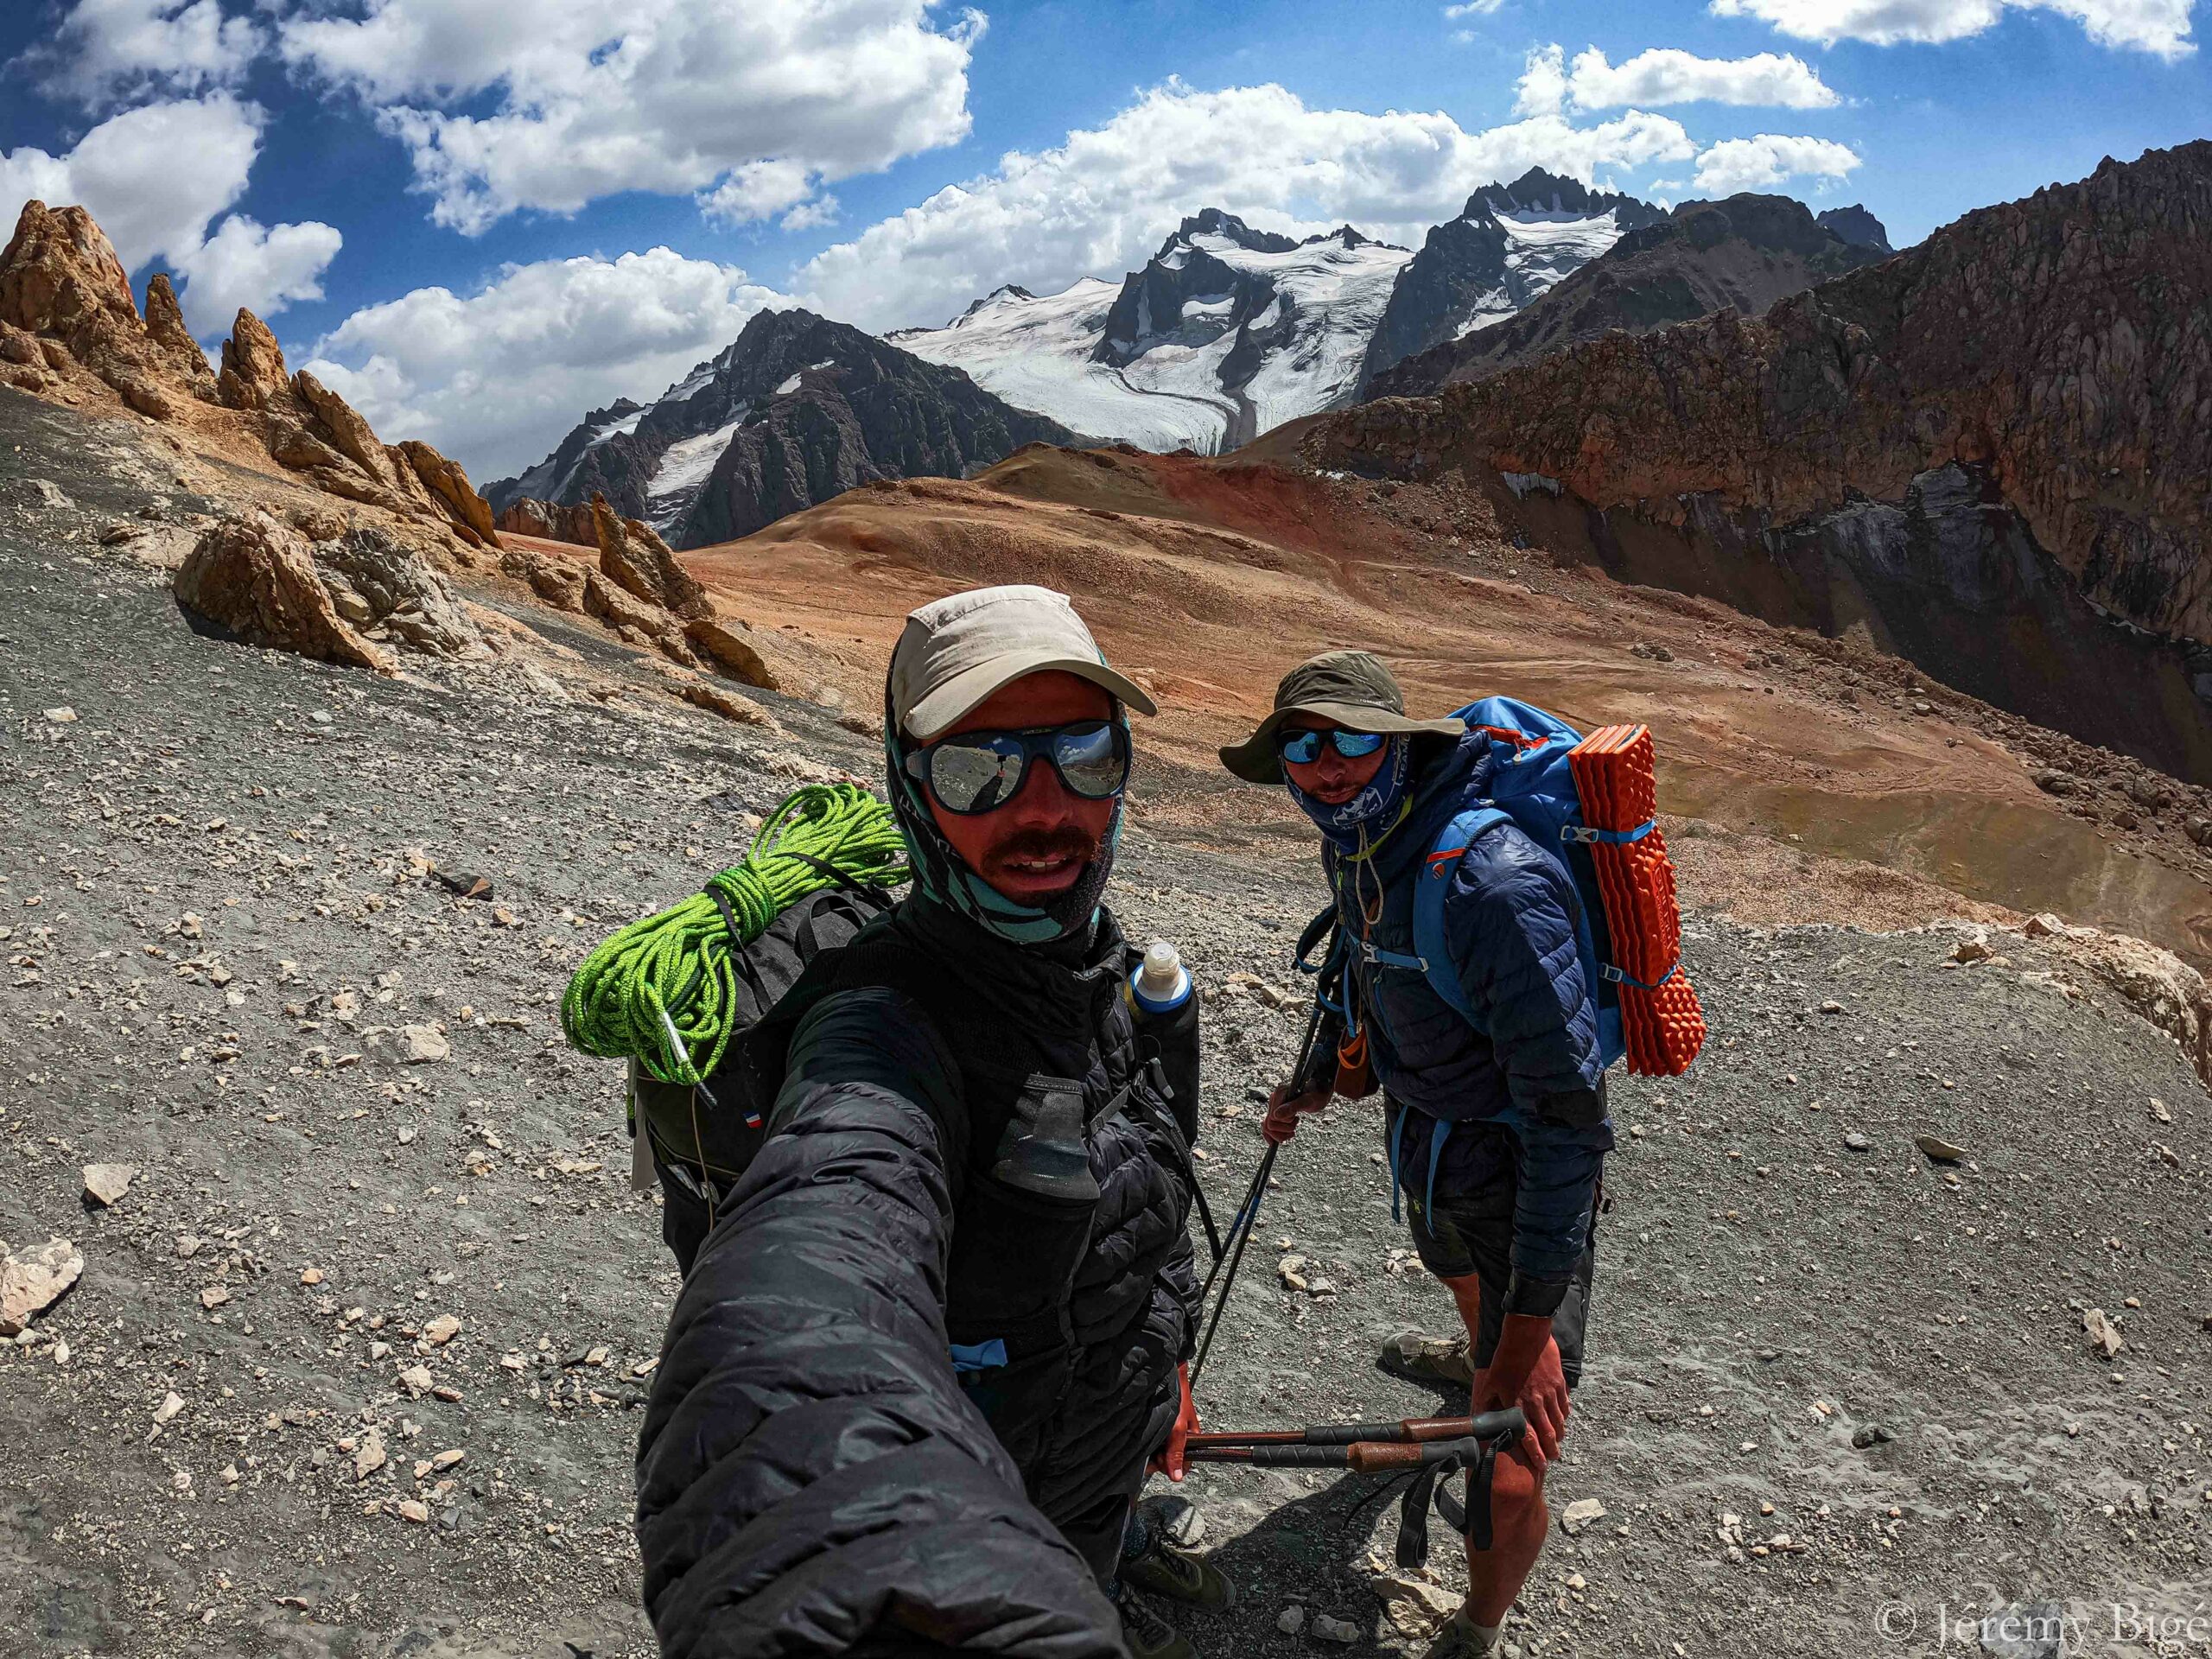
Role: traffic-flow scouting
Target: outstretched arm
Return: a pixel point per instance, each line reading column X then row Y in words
column 810, row 1479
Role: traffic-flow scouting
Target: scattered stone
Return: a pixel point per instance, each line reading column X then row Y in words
column 1579, row 1514
column 32, row 1280
column 2104, row 1336
column 441, row 1329
column 214, row 1297
column 414, row 1510
column 1342, row 1631
column 64, row 715
column 416, row 1380
column 1414, row 1602
column 423, row 1044
column 311, row 1275
column 1870, row 1436
column 369, row 1456
column 1938, row 1148
column 1291, row 1620
column 172, row 1404
column 106, row 1183
column 1855, row 1142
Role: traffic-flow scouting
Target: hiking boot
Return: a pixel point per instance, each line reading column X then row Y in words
column 1163, row 1570
column 1429, row 1359
column 1459, row 1639
column 1149, row 1636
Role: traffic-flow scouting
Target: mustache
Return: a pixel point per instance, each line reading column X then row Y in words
column 1067, row 841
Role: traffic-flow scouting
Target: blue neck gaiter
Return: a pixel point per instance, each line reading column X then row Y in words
column 1370, row 815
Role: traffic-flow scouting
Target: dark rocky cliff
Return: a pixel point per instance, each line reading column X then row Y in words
column 2061, row 347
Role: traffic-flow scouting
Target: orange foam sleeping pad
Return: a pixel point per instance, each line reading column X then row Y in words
column 1664, row 1028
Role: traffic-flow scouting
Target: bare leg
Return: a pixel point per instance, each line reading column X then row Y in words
column 1520, row 1519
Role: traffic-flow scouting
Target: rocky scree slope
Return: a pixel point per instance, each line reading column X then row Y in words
column 1742, row 254
column 1509, row 245
column 2009, row 424
column 68, row 323
column 797, row 409
column 352, row 1364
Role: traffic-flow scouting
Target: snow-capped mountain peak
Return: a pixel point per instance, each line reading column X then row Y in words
column 1226, row 332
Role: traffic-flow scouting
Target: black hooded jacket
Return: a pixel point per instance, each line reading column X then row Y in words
column 969, row 1163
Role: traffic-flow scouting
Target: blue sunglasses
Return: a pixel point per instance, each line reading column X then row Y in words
column 1303, row 748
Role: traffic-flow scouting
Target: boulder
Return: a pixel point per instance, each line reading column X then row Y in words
column 59, row 277
column 343, row 424
column 166, row 334
column 560, row 583
column 382, row 585
column 257, row 578
column 699, row 695
column 293, row 445
column 633, row 555
column 32, row 1280
column 253, row 373
column 731, row 647
column 449, row 486
column 550, row 521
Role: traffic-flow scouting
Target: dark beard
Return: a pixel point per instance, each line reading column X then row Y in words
column 1068, row 842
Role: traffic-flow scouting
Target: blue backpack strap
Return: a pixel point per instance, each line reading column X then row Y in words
column 1432, row 950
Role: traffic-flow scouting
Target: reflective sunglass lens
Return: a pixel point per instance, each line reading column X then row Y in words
column 1091, row 760
column 973, row 778
column 1301, row 748
column 1355, row 745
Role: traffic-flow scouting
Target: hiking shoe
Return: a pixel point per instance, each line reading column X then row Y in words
column 1149, row 1636
column 1429, row 1359
column 1180, row 1576
column 1459, row 1639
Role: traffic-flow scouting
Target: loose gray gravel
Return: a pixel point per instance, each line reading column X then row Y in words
column 214, row 926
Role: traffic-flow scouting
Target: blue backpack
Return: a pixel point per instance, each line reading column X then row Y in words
column 1532, row 787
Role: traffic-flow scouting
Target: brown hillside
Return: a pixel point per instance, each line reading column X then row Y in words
column 1207, row 579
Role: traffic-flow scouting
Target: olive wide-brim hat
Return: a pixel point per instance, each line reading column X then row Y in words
column 1352, row 687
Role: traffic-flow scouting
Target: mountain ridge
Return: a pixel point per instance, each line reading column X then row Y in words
column 796, row 409
column 1742, row 253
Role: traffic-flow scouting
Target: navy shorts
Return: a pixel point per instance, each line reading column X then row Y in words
column 1469, row 1228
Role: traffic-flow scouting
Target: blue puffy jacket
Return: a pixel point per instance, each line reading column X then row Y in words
column 1509, row 920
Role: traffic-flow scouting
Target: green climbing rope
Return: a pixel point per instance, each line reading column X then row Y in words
column 663, row 990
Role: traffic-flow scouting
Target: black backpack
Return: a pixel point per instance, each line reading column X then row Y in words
column 700, row 1139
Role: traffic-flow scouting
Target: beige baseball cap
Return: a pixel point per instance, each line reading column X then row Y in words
column 957, row 650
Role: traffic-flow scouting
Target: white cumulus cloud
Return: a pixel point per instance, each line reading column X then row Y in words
column 1101, row 201
column 1756, row 163
column 575, row 99
column 1665, row 75
column 108, row 51
column 262, row 267
column 497, row 378
column 154, row 177
column 2158, row 27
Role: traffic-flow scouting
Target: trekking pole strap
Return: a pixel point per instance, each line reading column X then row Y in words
column 1472, row 1520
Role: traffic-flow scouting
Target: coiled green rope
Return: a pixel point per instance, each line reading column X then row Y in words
column 663, row 990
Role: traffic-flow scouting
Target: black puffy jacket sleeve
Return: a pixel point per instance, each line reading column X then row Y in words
column 811, row 1478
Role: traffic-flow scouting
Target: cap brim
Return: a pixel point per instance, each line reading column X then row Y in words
column 1255, row 761
column 961, row 695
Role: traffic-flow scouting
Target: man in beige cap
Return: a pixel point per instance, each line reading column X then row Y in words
column 917, row 1375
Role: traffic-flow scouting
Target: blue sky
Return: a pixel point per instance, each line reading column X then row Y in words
column 479, row 229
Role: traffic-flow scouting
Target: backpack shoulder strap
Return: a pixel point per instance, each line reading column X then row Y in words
column 1430, row 944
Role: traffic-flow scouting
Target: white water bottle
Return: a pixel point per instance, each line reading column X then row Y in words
column 1162, row 984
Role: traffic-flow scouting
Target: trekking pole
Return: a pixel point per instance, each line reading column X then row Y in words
column 1364, row 1456
column 1407, row 1429
column 1248, row 1217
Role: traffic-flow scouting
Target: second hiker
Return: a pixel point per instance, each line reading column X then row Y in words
column 1495, row 1119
